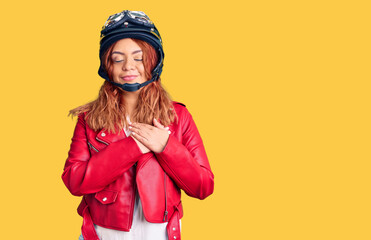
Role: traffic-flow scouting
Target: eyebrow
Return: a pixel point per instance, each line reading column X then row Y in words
column 136, row 51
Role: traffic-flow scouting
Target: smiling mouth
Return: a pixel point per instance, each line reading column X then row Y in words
column 129, row 78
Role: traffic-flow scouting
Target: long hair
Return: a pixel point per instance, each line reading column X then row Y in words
column 108, row 110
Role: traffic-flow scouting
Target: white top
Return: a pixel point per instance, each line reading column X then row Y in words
column 141, row 229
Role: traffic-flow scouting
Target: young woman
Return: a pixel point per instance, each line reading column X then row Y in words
column 133, row 148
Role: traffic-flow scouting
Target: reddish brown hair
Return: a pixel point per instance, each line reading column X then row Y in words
column 108, row 110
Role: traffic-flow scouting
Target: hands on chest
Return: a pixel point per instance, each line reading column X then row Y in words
column 150, row 138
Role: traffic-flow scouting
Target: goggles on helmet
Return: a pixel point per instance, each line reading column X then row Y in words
column 117, row 19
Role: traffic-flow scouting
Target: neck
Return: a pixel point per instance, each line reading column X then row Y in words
column 131, row 100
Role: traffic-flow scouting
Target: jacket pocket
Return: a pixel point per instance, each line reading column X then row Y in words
column 106, row 196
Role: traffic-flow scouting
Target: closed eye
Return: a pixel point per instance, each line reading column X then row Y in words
column 117, row 61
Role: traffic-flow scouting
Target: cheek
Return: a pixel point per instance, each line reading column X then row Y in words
column 141, row 70
column 115, row 71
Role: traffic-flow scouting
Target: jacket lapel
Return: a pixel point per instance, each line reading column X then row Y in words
column 107, row 138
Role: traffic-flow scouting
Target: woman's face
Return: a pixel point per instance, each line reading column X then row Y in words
column 127, row 59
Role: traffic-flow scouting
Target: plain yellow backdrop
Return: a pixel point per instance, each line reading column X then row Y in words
column 280, row 92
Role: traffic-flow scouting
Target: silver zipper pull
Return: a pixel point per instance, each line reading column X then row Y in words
column 165, row 216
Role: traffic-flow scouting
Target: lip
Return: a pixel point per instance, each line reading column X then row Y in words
column 129, row 77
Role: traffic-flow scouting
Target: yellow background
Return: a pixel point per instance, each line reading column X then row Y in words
column 280, row 92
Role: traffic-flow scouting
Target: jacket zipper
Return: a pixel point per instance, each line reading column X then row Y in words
column 101, row 141
column 165, row 213
column 132, row 207
column 91, row 146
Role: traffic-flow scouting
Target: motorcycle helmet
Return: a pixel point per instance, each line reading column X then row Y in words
column 130, row 24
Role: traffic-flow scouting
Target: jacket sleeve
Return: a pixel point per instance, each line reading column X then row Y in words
column 85, row 173
column 186, row 162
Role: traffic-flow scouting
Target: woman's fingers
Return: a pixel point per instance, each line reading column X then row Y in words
column 140, row 138
column 140, row 128
column 157, row 124
column 153, row 137
column 140, row 133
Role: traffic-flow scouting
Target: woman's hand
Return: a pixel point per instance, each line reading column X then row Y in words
column 142, row 148
column 152, row 137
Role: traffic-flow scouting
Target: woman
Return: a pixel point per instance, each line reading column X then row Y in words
column 126, row 164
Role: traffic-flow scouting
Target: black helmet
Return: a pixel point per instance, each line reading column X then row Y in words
column 130, row 24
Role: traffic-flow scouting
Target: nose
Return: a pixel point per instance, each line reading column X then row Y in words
column 128, row 65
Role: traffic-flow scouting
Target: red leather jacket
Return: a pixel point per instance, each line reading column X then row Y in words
column 107, row 168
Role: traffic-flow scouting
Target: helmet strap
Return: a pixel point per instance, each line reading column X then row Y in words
column 132, row 87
